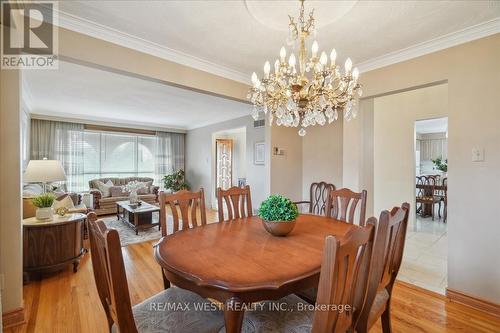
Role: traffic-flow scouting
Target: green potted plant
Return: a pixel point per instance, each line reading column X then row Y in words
column 278, row 215
column 175, row 181
column 441, row 165
column 43, row 203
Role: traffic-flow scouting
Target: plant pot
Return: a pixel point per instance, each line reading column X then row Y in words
column 279, row 228
column 44, row 213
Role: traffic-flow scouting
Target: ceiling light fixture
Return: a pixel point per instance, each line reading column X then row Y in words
column 311, row 94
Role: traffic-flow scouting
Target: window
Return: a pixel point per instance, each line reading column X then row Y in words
column 109, row 154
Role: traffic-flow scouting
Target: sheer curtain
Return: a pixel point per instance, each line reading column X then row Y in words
column 63, row 142
column 169, row 155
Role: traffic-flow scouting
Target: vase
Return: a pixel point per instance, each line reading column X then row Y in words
column 133, row 198
column 278, row 228
column 44, row 213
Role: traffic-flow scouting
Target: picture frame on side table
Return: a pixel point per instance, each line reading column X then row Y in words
column 259, row 153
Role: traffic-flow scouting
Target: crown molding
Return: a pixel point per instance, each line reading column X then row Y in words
column 96, row 30
column 440, row 43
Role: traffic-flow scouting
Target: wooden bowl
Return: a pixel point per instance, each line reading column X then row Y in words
column 279, row 228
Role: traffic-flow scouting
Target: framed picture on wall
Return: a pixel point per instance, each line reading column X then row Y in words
column 259, row 153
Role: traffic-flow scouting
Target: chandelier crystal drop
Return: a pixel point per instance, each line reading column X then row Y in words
column 305, row 90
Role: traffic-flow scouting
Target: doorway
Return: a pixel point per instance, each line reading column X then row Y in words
column 426, row 246
column 228, row 160
column 396, row 118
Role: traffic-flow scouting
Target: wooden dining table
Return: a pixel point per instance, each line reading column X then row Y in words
column 239, row 262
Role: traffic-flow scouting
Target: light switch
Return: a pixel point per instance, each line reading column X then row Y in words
column 477, row 154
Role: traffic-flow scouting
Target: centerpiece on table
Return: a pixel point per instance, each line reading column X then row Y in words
column 132, row 188
column 43, row 203
column 278, row 215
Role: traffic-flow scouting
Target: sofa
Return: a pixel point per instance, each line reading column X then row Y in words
column 106, row 204
column 32, row 190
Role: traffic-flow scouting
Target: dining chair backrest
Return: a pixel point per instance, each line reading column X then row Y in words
column 110, row 276
column 237, row 200
column 387, row 256
column 338, row 282
column 184, row 206
column 345, row 205
column 318, row 196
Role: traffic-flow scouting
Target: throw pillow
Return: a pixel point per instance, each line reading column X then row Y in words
column 104, row 188
column 118, row 191
column 145, row 188
column 64, row 201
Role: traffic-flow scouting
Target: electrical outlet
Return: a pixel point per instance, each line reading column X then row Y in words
column 477, row 154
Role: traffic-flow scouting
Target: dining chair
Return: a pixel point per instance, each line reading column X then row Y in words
column 385, row 263
column 238, row 202
column 318, row 196
column 426, row 194
column 345, row 205
column 151, row 315
column 340, row 284
column 184, row 206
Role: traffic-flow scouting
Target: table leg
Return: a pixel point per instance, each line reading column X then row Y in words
column 233, row 315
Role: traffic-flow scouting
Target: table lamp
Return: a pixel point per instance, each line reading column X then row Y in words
column 44, row 171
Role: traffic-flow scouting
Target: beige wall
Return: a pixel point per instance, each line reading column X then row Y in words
column 473, row 74
column 10, row 196
column 286, row 170
column 394, row 142
column 322, row 156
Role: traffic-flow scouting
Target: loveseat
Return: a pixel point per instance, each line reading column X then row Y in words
column 105, row 203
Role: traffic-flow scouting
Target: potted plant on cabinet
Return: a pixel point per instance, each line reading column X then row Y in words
column 43, row 203
column 278, row 215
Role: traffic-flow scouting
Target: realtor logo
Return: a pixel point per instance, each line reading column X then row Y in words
column 29, row 35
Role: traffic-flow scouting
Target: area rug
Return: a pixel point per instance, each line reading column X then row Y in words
column 127, row 234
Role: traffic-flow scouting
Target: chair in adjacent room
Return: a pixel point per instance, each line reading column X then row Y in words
column 111, row 282
column 236, row 201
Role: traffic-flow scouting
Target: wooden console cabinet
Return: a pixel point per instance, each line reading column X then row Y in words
column 52, row 245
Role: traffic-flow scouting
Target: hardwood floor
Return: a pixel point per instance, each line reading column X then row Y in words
column 68, row 302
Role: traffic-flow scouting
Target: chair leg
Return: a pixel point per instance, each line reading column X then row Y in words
column 439, row 209
column 386, row 319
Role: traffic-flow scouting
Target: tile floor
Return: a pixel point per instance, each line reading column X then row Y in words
column 425, row 255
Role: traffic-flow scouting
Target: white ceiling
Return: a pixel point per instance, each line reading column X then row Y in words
column 438, row 125
column 234, row 38
column 79, row 92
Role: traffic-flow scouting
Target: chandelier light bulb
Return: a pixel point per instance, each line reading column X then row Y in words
column 323, row 59
column 355, row 73
column 282, row 54
column 314, row 49
column 254, row 79
column 276, row 66
column 292, row 60
column 348, row 65
column 333, row 56
column 267, row 68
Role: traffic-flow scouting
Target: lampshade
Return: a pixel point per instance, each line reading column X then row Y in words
column 44, row 171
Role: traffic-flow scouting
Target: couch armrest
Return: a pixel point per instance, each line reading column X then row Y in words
column 155, row 190
column 97, row 195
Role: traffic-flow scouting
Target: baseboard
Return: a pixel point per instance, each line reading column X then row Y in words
column 13, row 318
column 474, row 302
column 421, row 290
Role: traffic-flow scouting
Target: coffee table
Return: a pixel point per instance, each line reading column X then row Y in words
column 138, row 218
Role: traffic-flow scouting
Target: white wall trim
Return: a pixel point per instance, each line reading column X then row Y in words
column 96, row 30
column 446, row 41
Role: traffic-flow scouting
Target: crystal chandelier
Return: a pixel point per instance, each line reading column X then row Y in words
column 311, row 94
